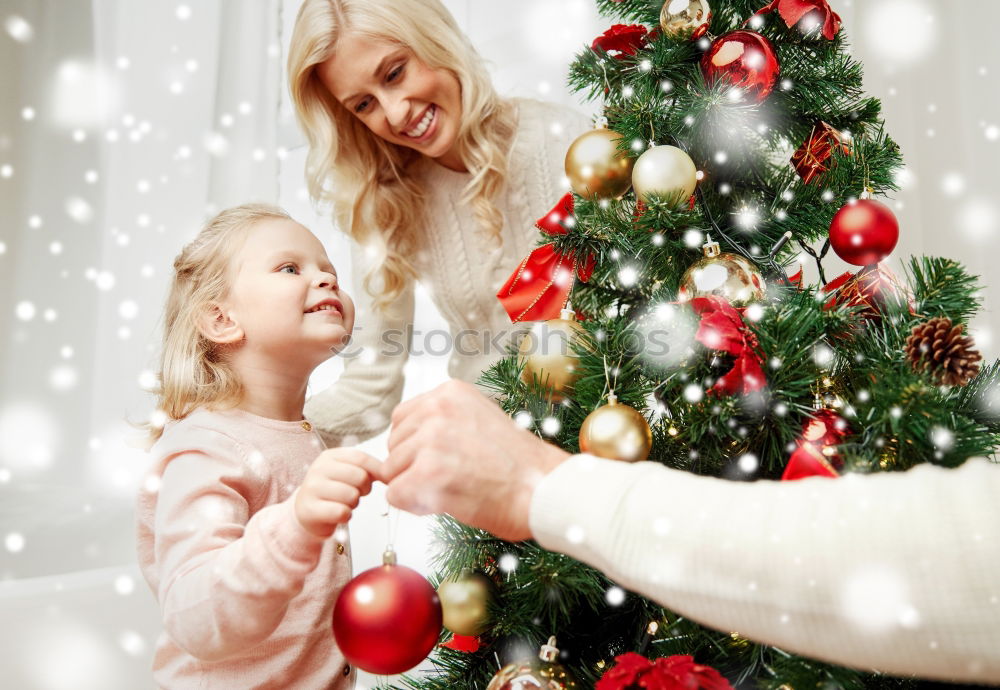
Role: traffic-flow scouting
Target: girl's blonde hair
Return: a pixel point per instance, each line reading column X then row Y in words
column 364, row 176
column 194, row 371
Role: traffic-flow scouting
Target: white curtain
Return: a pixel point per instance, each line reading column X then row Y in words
column 124, row 124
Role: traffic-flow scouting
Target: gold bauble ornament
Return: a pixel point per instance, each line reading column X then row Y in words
column 548, row 355
column 465, row 602
column 596, row 168
column 616, row 432
column 685, row 19
column 667, row 172
column 546, row 673
column 724, row 275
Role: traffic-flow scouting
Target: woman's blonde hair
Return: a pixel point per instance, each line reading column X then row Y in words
column 364, row 176
column 194, row 371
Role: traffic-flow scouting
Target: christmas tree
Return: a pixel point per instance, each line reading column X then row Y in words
column 735, row 138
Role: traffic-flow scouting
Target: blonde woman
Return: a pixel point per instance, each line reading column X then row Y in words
column 434, row 175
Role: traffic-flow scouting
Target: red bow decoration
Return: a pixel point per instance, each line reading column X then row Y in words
column 792, row 11
column 678, row 672
column 626, row 39
column 816, row 453
column 722, row 328
column 540, row 286
column 463, row 643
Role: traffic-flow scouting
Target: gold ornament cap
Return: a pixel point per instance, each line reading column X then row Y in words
column 549, row 651
column 567, row 314
column 711, row 248
column 389, row 557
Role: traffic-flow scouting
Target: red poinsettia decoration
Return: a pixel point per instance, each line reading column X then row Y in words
column 722, row 328
column 622, row 39
column 792, row 11
column 679, row 672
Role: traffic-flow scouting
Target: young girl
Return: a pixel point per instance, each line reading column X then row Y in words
column 235, row 517
column 438, row 177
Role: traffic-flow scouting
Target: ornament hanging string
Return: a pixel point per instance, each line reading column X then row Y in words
column 609, row 389
column 391, row 526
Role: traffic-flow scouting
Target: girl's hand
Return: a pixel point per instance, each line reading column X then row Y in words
column 334, row 483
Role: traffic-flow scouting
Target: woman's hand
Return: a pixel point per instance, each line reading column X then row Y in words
column 452, row 450
column 334, row 483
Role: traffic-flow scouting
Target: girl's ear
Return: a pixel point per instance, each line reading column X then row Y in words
column 218, row 325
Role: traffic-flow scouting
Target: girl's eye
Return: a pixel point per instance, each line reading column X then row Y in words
column 289, row 268
column 394, row 74
column 361, row 107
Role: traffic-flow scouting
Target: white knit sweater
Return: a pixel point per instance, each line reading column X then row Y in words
column 461, row 267
column 898, row 572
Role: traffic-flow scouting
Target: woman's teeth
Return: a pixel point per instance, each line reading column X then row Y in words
column 424, row 123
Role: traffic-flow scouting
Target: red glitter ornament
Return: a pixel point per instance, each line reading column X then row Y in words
column 812, row 157
column 816, row 453
column 387, row 619
column 864, row 232
column 744, row 60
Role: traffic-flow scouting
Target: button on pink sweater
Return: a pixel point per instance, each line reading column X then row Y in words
column 246, row 594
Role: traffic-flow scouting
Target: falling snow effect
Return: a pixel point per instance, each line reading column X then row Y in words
column 86, row 102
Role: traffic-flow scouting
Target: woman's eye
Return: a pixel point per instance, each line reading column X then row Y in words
column 289, row 268
column 361, row 107
column 394, row 74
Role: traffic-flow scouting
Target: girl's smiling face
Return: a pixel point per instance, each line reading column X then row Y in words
column 285, row 296
column 398, row 97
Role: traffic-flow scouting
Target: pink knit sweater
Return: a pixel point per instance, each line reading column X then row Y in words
column 246, row 594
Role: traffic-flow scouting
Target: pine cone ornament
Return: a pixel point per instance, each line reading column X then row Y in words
column 939, row 349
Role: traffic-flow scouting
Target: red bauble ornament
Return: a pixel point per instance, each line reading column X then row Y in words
column 745, row 60
column 864, row 232
column 387, row 619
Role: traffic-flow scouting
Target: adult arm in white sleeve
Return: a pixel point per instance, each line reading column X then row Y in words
column 225, row 578
column 359, row 405
column 895, row 572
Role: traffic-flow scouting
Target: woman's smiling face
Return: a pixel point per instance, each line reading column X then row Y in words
column 397, row 96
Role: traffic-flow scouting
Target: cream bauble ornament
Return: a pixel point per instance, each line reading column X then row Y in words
column 724, row 275
column 546, row 673
column 667, row 172
column 596, row 168
column 685, row 19
column 465, row 603
column 616, row 432
column 547, row 353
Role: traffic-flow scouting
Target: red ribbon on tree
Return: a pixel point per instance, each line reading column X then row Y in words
column 792, row 11
column 722, row 328
column 540, row 286
column 816, row 452
column 625, row 39
column 678, row 672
